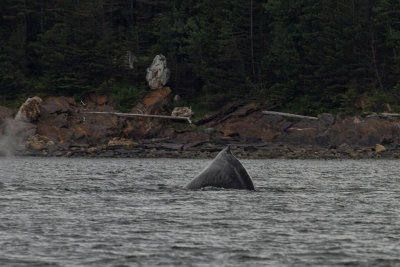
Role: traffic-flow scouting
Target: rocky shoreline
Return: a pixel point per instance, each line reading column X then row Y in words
column 61, row 127
column 177, row 150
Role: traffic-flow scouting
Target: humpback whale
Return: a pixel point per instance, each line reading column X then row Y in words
column 224, row 171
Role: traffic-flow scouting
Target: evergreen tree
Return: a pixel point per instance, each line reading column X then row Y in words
column 306, row 56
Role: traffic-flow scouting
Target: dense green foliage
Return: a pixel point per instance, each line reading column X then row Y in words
column 305, row 56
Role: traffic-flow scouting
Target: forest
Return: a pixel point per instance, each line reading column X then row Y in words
column 306, row 57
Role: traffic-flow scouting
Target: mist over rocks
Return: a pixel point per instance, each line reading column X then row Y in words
column 13, row 131
column 13, row 134
column 62, row 128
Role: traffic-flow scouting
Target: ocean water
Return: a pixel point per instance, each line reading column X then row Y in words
column 136, row 212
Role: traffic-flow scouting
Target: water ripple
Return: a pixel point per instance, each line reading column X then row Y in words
column 128, row 212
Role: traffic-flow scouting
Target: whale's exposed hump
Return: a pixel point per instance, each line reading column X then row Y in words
column 224, row 171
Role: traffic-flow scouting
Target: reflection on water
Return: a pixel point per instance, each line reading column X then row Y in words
column 131, row 212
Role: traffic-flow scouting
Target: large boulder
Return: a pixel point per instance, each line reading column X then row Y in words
column 158, row 74
column 30, row 110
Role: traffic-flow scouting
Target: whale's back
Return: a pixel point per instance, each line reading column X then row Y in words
column 224, row 171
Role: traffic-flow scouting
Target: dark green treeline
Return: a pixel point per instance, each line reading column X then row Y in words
column 305, row 56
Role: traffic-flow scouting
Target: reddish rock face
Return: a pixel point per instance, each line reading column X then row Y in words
column 60, row 135
column 155, row 103
column 246, row 122
column 99, row 128
column 57, row 105
column 61, row 122
column 91, row 131
column 363, row 132
column 250, row 127
column 98, row 99
column 55, row 119
column 138, row 128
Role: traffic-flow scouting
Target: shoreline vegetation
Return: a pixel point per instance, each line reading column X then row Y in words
column 306, row 57
column 234, row 67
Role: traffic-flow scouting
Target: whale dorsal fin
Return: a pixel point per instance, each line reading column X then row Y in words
column 224, row 171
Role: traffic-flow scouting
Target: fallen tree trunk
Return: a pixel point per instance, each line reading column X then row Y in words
column 385, row 114
column 138, row 115
column 267, row 112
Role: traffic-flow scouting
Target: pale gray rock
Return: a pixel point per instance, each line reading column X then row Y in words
column 158, row 74
column 182, row 112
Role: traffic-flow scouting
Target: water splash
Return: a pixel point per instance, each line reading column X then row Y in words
column 14, row 132
column 11, row 139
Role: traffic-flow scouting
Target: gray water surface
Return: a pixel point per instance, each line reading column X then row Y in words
column 136, row 212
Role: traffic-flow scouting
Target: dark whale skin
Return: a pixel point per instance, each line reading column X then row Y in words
column 224, row 171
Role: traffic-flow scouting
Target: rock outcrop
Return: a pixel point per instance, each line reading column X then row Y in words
column 155, row 102
column 158, row 74
column 62, row 120
column 30, row 110
column 62, row 128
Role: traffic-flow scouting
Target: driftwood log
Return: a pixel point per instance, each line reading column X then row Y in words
column 266, row 112
column 385, row 114
column 138, row 115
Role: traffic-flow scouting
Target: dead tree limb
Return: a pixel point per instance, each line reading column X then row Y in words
column 267, row 112
column 138, row 115
column 385, row 114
